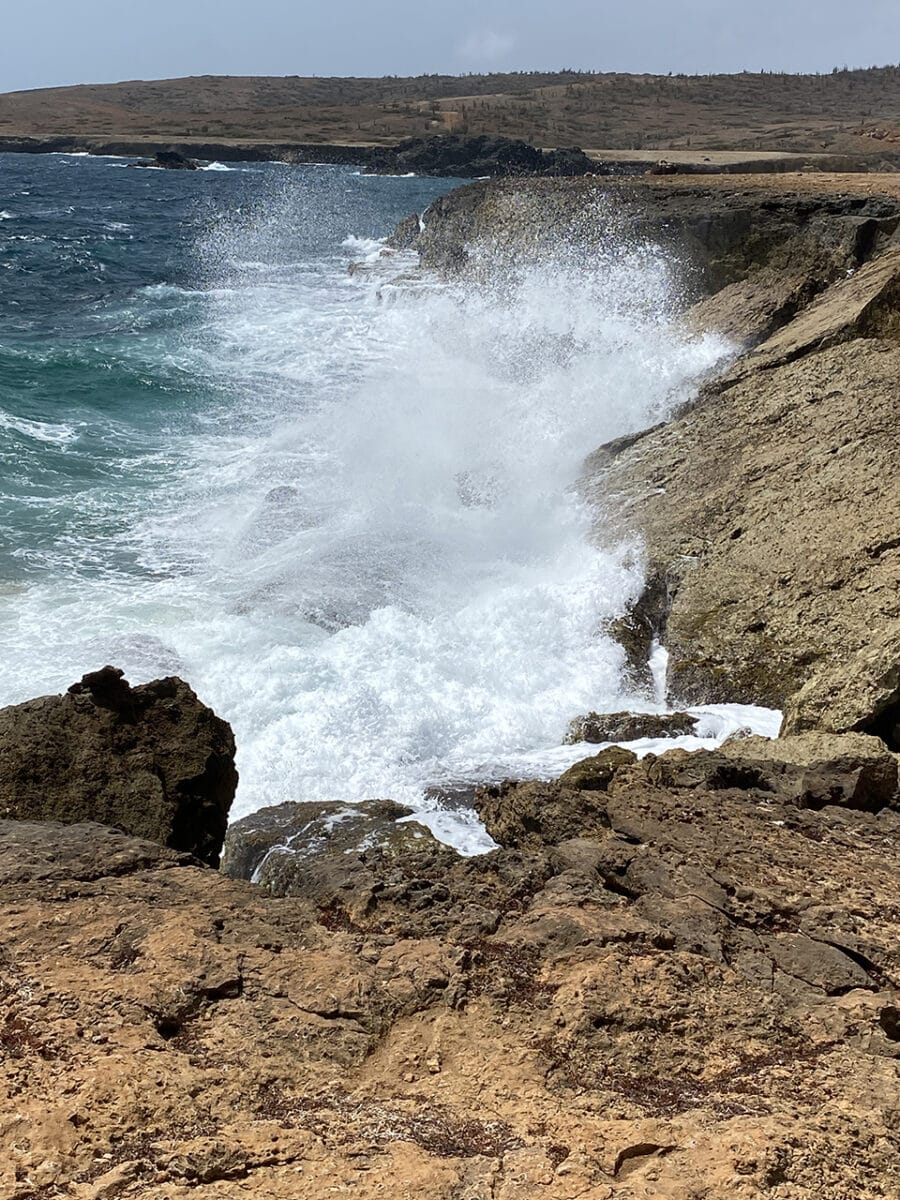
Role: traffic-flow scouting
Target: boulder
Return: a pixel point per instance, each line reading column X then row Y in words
column 629, row 726
column 152, row 760
column 535, row 813
column 594, row 774
column 367, row 865
column 314, row 848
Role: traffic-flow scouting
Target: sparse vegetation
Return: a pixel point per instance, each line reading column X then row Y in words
column 844, row 111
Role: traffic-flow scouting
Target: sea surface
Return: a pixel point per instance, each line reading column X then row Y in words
column 338, row 503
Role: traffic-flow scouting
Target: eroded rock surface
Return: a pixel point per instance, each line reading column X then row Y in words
column 687, row 985
column 152, row 760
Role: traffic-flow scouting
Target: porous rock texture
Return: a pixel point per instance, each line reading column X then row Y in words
column 152, row 760
column 769, row 506
column 681, row 984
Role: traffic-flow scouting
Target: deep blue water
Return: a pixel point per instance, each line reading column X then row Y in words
column 104, row 321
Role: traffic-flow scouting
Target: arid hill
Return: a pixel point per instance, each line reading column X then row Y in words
column 843, row 111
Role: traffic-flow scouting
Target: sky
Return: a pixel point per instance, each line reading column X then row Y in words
column 53, row 42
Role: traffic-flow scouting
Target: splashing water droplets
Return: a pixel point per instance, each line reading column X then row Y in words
column 369, row 554
column 412, row 560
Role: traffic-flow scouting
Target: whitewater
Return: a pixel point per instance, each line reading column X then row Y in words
column 341, row 504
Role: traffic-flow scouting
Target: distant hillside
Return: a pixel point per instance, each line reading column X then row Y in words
column 844, row 111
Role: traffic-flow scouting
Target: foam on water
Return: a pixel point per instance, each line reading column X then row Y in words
column 59, row 435
column 371, row 558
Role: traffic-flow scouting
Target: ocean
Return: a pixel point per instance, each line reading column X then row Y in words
column 340, row 504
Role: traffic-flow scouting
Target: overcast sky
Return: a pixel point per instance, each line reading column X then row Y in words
column 48, row 42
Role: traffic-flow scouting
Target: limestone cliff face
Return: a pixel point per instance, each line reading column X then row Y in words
column 770, row 507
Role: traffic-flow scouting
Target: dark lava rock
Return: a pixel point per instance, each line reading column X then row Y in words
column 151, row 760
column 628, row 726
column 169, row 160
column 473, row 157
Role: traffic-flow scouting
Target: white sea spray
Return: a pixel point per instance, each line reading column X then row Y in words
column 371, row 558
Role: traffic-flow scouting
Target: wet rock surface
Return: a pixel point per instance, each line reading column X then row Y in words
column 152, row 760
column 681, row 985
column 629, row 726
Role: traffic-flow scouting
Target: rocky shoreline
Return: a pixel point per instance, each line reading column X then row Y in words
column 675, row 978
column 769, row 506
column 450, row 155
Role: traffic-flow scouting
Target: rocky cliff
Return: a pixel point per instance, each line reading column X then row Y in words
column 769, row 507
column 675, row 978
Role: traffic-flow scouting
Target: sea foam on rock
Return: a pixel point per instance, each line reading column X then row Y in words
column 768, row 505
column 152, row 760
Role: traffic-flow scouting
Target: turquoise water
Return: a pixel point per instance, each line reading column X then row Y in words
column 340, row 505
column 109, row 352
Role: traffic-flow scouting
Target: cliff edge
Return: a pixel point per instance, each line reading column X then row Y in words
column 769, row 506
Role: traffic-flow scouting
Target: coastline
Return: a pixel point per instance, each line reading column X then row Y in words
column 804, row 281
column 678, row 976
column 377, row 155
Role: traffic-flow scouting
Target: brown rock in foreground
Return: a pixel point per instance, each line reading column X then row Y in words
column 152, row 760
column 689, row 988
